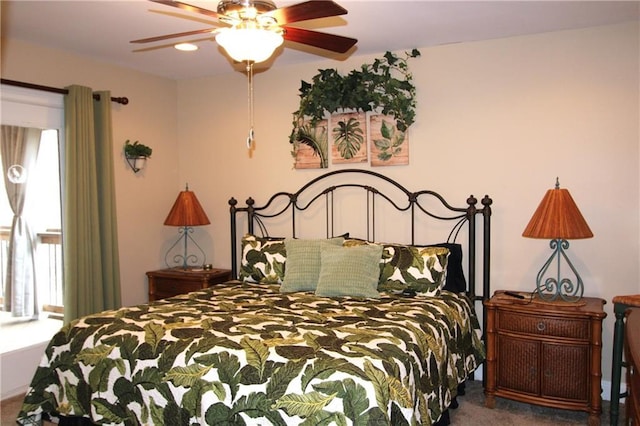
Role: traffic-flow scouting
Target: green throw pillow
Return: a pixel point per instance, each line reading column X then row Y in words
column 349, row 271
column 303, row 263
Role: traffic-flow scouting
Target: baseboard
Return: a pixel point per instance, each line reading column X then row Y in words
column 8, row 394
column 606, row 389
column 478, row 373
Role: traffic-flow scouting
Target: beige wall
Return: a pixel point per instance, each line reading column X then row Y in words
column 502, row 117
column 143, row 199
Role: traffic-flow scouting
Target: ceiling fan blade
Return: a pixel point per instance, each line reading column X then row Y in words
column 188, row 7
column 313, row 9
column 186, row 16
column 332, row 42
column 176, row 35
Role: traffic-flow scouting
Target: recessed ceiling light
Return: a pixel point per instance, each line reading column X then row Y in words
column 186, row 47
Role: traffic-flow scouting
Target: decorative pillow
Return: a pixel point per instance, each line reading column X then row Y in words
column 422, row 269
column 419, row 268
column 263, row 259
column 352, row 242
column 349, row 271
column 455, row 281
column 303, row 263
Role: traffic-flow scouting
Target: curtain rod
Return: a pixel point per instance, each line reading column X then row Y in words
column 121, row 100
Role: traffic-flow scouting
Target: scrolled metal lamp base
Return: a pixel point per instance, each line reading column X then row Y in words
column 552, row 288
column 186, row 258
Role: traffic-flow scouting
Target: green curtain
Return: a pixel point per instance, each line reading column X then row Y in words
column 90, row 242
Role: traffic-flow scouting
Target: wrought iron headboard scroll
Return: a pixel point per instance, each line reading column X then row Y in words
column 292, row 202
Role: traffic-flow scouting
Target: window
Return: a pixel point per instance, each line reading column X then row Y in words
column 29, row 108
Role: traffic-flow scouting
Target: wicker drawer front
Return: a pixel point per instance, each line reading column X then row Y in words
column 518, row 368
column 544, row 326
column 564, row 372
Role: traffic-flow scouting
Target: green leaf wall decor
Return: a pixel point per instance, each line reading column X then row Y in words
column 386, row 86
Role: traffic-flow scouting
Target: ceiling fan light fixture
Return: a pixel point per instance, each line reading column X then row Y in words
column 242, row 9
column 249, row 44
column 257, row 28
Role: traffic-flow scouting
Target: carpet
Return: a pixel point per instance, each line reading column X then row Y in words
column 472, row 411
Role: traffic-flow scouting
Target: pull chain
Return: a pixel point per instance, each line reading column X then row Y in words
column 250, row 138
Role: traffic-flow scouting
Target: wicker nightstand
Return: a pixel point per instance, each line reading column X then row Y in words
column 545, row 353
column 174, row 281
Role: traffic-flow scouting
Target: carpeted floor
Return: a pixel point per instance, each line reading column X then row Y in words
column 473, row 412
column 470, row 412
column 9, row 409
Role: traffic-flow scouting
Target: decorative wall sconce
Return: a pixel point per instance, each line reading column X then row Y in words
column 136, row 155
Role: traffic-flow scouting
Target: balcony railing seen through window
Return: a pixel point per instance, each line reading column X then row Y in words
column 48, row 268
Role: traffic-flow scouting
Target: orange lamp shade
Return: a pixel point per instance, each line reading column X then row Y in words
column 557, row 217
column 187, row 211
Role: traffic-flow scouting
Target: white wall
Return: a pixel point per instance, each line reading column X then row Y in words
column 501, row 117
column 17, row 368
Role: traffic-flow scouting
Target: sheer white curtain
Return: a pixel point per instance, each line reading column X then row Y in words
column 19, row 151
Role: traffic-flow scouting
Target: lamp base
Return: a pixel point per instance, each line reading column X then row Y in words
column 186, row 260
column 551, row 288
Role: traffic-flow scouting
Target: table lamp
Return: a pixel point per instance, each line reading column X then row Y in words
column 559, row 219
column 186, row 213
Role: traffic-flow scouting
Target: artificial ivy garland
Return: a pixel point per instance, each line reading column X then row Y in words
column 386, row 86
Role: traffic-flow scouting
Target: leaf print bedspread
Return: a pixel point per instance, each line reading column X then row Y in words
column 239, row 354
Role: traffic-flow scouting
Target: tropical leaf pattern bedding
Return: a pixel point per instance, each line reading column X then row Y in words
column 239, row 354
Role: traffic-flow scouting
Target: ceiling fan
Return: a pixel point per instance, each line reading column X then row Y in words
column 255, row 28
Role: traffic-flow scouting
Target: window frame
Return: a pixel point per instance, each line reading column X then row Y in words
column 39, row 109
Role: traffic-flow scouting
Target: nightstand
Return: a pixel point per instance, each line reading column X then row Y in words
column 545, row 353
column 174, row 281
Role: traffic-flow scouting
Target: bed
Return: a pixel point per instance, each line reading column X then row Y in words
column 332, row 320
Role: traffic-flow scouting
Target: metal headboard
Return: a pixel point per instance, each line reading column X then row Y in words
column 323, row 189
